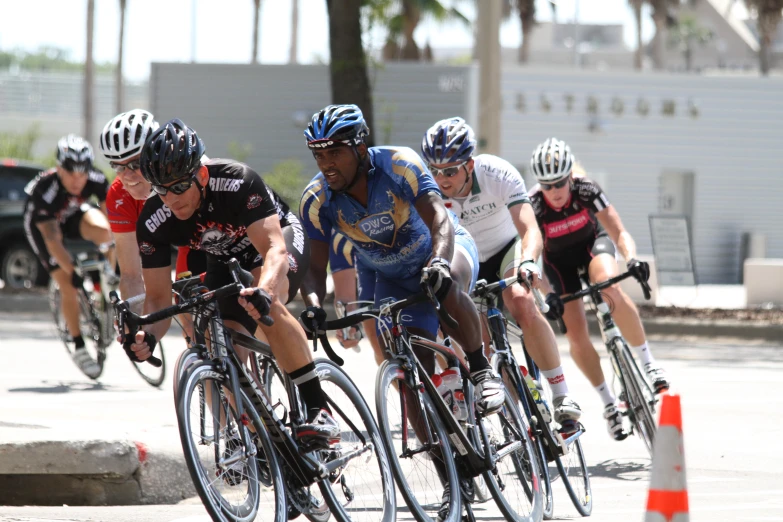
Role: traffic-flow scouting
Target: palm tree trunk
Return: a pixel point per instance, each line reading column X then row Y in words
column 411, row 15
column 659, row 17
column 89, row 73
column 256, row 21
column 637, row 12
column 768, row 19
column 527, row 37
column 120, row 86
column 348, row 65
column 292, row 50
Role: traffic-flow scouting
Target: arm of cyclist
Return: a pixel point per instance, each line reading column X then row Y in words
column 432, row 211
column 131, row 283
column 157, row 287
column 610, row 220
column 532, row 243
column 314, row 283
column 53, row 238
column 345, row 292
column 267, row 237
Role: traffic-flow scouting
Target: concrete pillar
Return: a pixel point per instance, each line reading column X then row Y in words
column 488, row 55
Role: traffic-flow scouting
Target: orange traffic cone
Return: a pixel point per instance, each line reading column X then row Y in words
column 668, row 497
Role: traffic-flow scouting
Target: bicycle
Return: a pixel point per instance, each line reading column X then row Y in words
column 421, row 434
column 635, row 390
column 553, row 442
column 238, row 444
column 96, row 316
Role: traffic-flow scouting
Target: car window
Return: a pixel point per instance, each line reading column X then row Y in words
column 13, row 180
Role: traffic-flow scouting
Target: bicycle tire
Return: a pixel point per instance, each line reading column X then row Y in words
column 581, row 497
column 639, row 409
column 154, row 376
column 538, row 444
column 89, row 326
column 505, row 427
column 205, row 375
column 185, row 360
column 363, row 490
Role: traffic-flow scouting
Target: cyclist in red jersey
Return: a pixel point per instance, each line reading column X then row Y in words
column 582, row 230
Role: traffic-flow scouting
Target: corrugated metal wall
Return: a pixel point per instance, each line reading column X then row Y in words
column 268, row 106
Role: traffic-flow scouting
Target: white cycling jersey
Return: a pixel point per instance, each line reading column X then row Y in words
column 497, row 186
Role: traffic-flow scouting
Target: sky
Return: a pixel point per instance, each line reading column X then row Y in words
column 160, row 30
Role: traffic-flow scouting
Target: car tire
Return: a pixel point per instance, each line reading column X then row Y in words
column 20, row 268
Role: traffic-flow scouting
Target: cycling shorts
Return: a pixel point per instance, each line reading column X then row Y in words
column 69, row 229
column 562, row 270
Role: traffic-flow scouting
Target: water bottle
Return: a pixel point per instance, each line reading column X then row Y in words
column 537, row 391
column 449, row 385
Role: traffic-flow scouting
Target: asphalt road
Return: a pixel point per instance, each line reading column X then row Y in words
column 730, row 397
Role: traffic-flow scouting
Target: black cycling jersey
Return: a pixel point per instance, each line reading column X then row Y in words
column 235, row 197
column 47, row 198
column 574, row 225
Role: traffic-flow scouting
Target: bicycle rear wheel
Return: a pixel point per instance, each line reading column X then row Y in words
column 362, row 489
column 89, row 326
column 639, row 409
column 514, row 481
column 421, row 472
column 572, row 468
column 235, row 482
column 528, row 410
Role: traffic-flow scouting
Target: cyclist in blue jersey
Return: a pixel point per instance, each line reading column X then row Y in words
column 388, row 206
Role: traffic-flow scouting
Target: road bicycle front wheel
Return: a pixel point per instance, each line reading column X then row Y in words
column 640, row 403
column 235, row 482
column 422, row 459
column 91, row 361
column 514, row 480
column 362, row 489
column 152, row 375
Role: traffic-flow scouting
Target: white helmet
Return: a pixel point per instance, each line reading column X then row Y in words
column 552, row 161
column 125, row 134
column 74, row 153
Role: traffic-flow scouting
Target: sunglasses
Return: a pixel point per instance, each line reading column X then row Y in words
column 119, row 168
column 448, row 172
column 560, row 184
column 178, row 188
column 74, row 166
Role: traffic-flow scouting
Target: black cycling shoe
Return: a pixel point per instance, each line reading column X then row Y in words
column 468, row 495
column 322, row 432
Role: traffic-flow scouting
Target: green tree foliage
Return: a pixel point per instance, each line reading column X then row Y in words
column 289, row 180
column 685, row 34
column 20, row 146
column 47, row 58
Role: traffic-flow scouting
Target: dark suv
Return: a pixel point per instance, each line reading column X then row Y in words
column 19, row 267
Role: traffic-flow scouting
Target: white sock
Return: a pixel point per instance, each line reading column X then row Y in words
column 557, row 382
column 644, row 354
column 606, row 393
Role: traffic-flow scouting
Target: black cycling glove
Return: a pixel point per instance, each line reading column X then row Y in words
column 639, row 269
column 314, row 314
column 556, row 306
column 260, row 300
column 439, row 278
column 148, row 338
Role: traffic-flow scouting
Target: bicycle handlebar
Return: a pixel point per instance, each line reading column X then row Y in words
column 590, row 290
column 483, row 288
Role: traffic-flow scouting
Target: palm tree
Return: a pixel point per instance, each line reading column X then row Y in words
column 401, row 19
column 768, row 14
column 292, row 50
column 256, row 20
column 637, row 12
column 120, row 87
column 661, row 15
column 685, row 34
column 348, row 65
column 89, row 72
column 526, row 10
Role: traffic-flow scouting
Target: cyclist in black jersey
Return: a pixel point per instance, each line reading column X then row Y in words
column 580, row 229
column 57, row 208
column 224, row 208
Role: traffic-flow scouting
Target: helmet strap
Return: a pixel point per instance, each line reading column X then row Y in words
column 467, row 180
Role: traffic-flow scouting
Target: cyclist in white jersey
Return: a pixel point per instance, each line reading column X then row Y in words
column 488, row 195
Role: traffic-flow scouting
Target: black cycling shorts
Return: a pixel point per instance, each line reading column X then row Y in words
column 298, row 247
column 562, row 270
column 69, row 229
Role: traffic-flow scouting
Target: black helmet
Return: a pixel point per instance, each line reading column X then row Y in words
column 172, row 152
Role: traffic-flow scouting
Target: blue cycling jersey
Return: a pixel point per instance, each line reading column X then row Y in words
column 389, row 235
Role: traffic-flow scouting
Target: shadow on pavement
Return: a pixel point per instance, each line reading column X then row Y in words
column 68, row 387
column 627, row 470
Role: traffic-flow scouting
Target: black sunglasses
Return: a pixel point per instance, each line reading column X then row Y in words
column 120, row 168
column 560, row 184
column 448, row 172
column 178, row 188
column 75, row 166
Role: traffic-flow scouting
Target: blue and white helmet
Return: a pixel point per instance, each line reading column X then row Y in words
column 74, row 153
column 336, row 125
column 448, row 141
column 552, row 161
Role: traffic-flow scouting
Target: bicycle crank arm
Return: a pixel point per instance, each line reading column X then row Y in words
column 339, row 462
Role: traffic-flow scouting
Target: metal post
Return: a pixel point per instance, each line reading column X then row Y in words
column 488, row 55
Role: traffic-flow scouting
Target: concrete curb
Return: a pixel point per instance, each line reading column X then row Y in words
column 36, row 470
